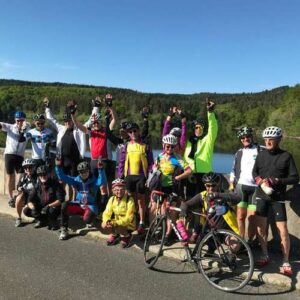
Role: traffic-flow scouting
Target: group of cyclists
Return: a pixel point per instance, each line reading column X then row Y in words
column 50, row 189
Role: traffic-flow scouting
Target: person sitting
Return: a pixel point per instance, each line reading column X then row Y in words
column 119, row 215
column 85, row 203
column 24, row 187
column 173, row 169
column 211, row 182
column 45, row 199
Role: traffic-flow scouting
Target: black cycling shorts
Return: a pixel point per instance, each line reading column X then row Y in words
column 279, row 211
column 13, row 163
column 135, row 183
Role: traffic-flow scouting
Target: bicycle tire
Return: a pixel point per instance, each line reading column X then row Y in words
column 225, row 265
column 154, row 241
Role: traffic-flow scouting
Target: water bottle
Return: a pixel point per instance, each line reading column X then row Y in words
column 181, row 228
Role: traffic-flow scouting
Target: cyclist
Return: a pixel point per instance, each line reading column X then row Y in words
column 119, row 215
column 85, row 203
column 173, row 170
column 14, row 150
column 41, row 137
column 24, row 187
column 180, row 133
column 273, row 170
column 136, row 159
column 242, row 181
column 199, row 149
column 45, row 199
column 211, row 182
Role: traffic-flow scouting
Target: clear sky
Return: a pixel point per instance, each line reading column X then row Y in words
column 168, row 46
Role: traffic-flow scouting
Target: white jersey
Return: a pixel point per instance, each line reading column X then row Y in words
column 39, row 140
column 15, row 144
column 247, row 163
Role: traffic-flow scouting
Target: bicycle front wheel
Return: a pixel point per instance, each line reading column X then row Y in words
column 154, row 241
column 225, row 260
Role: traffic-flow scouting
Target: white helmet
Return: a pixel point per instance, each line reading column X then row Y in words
column 170, row 139
column 176, row 131
column 28, row 162
column 272, row 132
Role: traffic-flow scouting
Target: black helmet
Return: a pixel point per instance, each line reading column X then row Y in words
column 83, row 166
column 211, row 177
column 244, row 131
column 131, row 125
column 43, row 169
column 123, row 125
column 39, row 117
column 67, row 116
column 201, row 122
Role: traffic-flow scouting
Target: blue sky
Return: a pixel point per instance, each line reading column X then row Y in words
column 154, row 45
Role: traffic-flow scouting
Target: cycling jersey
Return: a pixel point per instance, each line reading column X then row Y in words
column 121, row 212
column 201, row 162
column 15, row 141
column 98, row 144
column 26, row 184
column 277, row 164
column 39, row 140
column 169, row 166
column 86, row 190
column 243, row 164
column 136, row 158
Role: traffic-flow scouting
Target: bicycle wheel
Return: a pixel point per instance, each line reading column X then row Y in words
column 154, row 241
column 225, row 260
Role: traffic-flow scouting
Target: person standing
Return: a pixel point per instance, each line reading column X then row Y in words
column 14, row 151
column 199, row 149
column 242, row 182
column 273, row 170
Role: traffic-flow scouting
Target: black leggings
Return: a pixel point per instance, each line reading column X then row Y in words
column 52, row 214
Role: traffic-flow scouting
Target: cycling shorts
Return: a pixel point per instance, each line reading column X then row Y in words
column 278, row 208
column 247, row 194
column 135, row 183
column 13, row 163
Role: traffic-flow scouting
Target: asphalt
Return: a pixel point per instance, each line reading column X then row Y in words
column 268, row 274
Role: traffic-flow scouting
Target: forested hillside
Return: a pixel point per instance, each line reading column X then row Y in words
column 280, row 106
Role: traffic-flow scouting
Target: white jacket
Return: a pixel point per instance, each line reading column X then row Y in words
column 13, row 146
column 79, row 136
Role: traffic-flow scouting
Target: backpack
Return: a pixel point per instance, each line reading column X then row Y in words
column 153, row 181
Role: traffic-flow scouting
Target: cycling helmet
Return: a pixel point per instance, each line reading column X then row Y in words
column 83, row 166
column 39, row 117
column 132, row 125
column 28, row 162
column 176, row 131
column 211, row 177
column 123, row 125
column 20, row 115
column 244, row 131
column 118, row 182
column 43, row 169
column 67, row 116
column 272, row 132
column 199, row 121
column 95, row 117
column 170, row 139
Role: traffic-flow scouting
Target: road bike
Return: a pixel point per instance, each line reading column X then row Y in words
column 220, row 255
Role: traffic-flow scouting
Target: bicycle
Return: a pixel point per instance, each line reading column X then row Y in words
column 220, row 255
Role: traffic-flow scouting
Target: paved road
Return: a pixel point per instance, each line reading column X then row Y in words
column 34, row 264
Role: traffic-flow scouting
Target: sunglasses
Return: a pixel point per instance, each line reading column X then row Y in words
column 198, row 127
column 83, row 172
column 245, row 137
column 28, row 168
column 132, row 131
column 19, row 121
column 208, row 185
column 42, row 174
column 169, row 147
column 40, row 123
column 119, row 189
